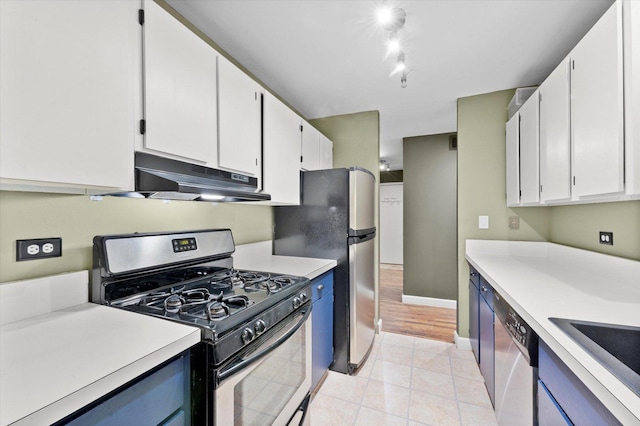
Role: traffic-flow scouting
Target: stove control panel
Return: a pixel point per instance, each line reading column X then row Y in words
column 184, row 244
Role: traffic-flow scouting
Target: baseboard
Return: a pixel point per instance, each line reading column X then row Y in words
column 461, row 342
column 429, row 301
column 379, row 326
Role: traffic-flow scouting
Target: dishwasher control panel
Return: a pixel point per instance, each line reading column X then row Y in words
column 519, row 330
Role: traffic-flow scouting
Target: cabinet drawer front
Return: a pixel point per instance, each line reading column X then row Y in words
column 486, row 291
column 579, row 404
column 322, row 285
column 474, row 276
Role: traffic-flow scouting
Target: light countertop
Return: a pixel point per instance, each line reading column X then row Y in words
column 57, row 362
column 62, row 353
column 258, row 257
column 543, row 280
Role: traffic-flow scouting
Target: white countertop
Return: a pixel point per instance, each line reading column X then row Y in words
column 258, row 257
column 57, row 362
column 543, row 280
column 63, row 353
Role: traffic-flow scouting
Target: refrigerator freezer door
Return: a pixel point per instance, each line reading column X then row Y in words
column 361, row 300
column 361, row 202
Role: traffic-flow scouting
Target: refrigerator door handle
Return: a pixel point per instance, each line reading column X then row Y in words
column 359, row 232
column 361, row 238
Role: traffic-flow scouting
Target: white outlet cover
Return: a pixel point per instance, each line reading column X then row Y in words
column 483, row 222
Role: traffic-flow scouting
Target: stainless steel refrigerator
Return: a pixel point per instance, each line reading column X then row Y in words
column 335, row 220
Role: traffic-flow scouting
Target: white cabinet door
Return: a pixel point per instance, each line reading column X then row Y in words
column 631, row 9
column 513, row 160
column 180, row 89
column 555, row 136
column 326, row 153
column 529, row 151
column 239, row 104
column 597, row 108
column 310, row 147
column 281, row 152
column 68, row 78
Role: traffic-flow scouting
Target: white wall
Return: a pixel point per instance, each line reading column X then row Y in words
column 391, row 205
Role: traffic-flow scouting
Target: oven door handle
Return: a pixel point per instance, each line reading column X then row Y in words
column 281, row 337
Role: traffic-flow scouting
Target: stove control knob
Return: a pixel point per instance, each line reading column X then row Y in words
column 296, row 302
column 303, row 297
column 260, row 327
column 247, row 335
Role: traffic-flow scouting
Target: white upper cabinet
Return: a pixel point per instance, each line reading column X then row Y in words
column 239, row 109
column 69, row 83
column 631, row 11
column 281, row 152
column 597, row 108
column 555, row 136
column 529, row 151
column 310, row 147
column 326, row 153
column 180, row 90
column 513, row 160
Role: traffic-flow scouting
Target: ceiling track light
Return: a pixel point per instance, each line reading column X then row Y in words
column 384, row 166
column 392, row 19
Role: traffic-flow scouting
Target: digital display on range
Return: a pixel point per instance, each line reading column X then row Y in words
column 184, row 244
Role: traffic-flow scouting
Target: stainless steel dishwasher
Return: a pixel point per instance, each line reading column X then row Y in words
column 516, row 367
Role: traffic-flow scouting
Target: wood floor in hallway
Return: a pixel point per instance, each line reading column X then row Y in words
column 412, row 320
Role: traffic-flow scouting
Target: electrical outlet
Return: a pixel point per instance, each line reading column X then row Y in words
column 606, row 238
column 41, row 248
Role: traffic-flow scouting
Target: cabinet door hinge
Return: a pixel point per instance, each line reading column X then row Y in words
column 540, row 188
column 141, row 16
column 573, row 64
column 301, row 128
column 574, row 181
column 143, row 127
column 301, row 159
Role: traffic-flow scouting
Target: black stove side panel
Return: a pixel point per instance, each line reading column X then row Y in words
column 318, row 228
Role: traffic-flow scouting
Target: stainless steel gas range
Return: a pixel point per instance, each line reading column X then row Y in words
column 254, row 363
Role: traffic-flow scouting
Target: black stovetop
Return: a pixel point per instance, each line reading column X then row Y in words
column 214, row 298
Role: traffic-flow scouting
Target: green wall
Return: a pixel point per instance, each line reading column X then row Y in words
column 579, row 225
column 356, row 142
column 77, row 219
column 429, row 216
column 481, row 191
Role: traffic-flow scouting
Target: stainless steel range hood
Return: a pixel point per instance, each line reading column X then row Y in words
column 158, row 177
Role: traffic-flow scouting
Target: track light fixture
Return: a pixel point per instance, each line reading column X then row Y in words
column 392, row 19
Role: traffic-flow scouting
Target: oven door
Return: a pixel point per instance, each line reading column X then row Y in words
column 268, row 381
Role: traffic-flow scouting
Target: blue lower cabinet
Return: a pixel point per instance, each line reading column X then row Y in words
column 322, row 327
column 568, row 394
column 549, row 412
column 487, row 338
column 162, row 397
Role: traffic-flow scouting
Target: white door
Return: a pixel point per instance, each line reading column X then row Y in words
column 597, row 108
column 391, row 207
column 180, row 89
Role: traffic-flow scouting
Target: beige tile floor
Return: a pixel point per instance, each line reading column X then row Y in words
column 406, row 381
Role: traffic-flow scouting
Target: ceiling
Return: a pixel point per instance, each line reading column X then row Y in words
column 329, row 57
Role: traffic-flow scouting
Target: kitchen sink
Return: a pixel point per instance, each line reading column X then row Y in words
column 616, row 347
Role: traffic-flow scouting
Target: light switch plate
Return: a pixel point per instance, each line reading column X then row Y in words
column 483, row 222
column 514, row 222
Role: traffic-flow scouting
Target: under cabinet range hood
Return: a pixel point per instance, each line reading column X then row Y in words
column 164, row 178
